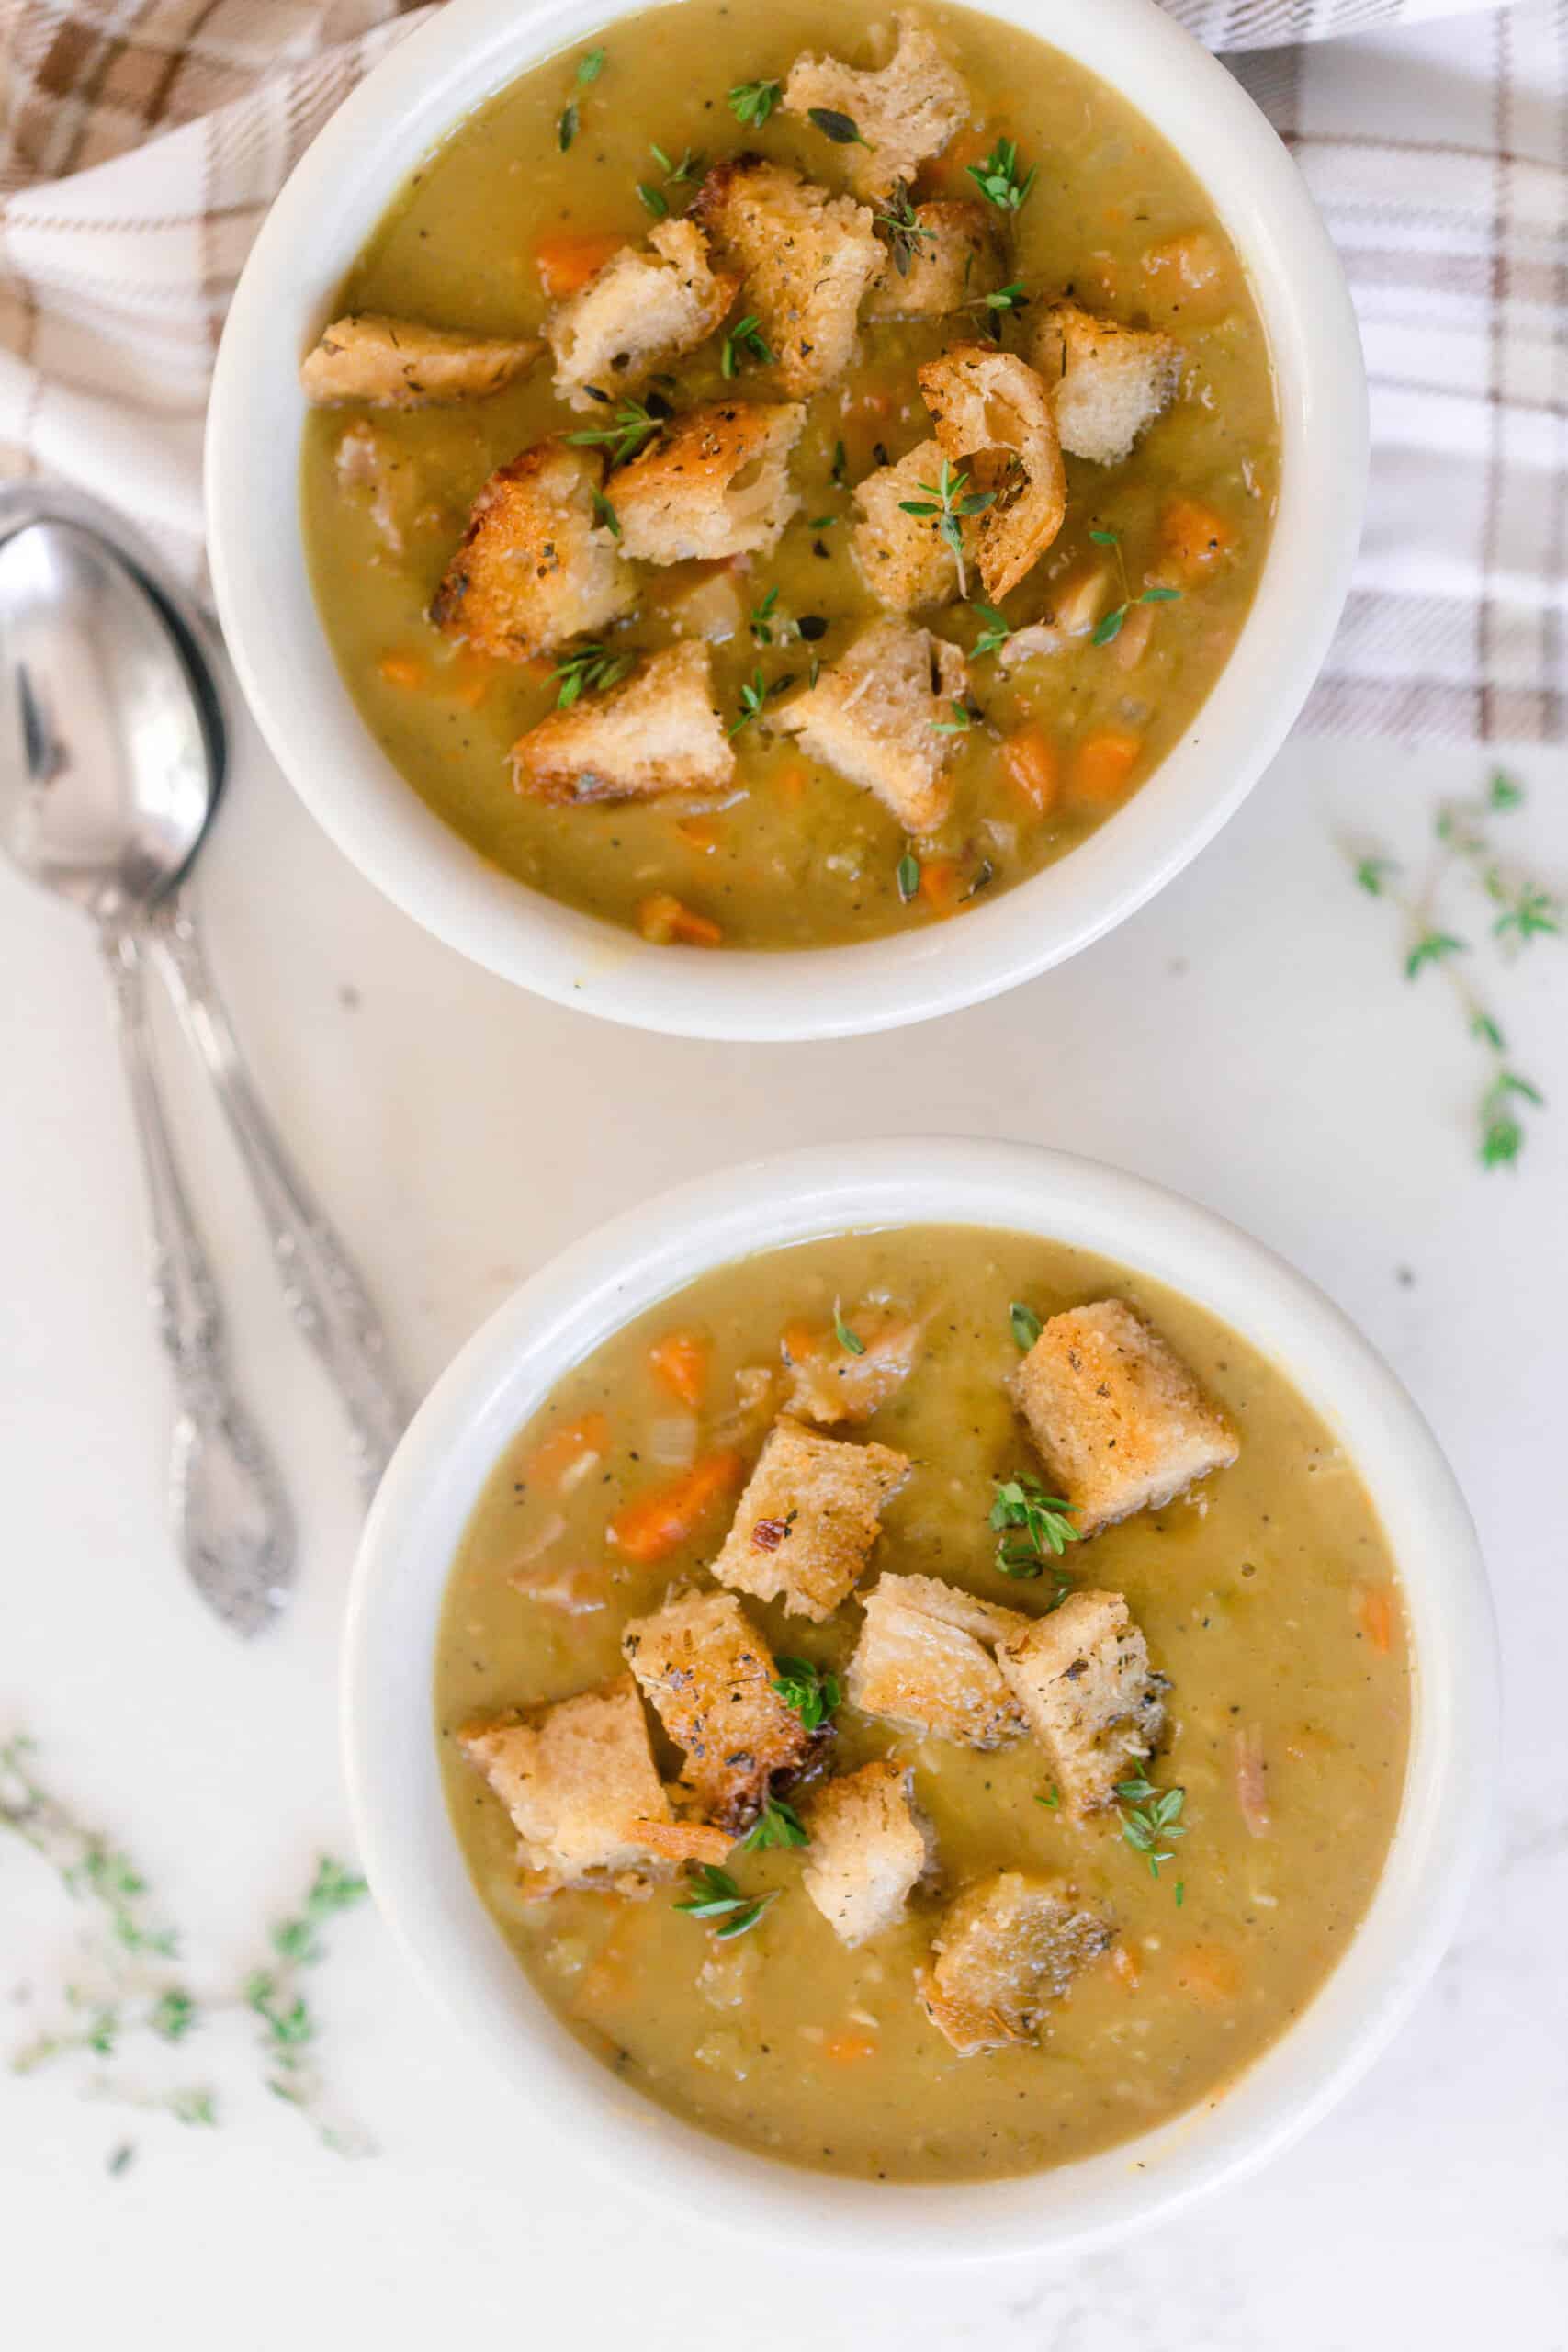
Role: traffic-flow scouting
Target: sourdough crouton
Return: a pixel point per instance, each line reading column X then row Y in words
column 868, row 1847
column 906, row 112
column 1115, row 1415
column 394, row 363
column 709, row 1674
column 657, row 731
column 994, row 411
column 580, row 1783
column 807, row 1520
column 828, row 1385
column 902, row 557
column 533, row 568
column 1106, row 382
column 924, row 1660
column 1007, row 1945
column 872, row 715
column 715, row 483
column 637, row 314
column 951, row 256
column 1082, row 1678
column 806, row 257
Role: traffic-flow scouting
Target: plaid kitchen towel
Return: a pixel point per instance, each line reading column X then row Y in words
column 142, row 140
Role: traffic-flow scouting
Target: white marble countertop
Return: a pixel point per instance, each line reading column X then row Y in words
column 1248, row 1040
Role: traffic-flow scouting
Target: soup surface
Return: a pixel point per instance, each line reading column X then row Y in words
column 1267, row 1603
column 1060, row 693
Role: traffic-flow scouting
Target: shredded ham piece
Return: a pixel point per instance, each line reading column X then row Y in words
column 1252, row 1784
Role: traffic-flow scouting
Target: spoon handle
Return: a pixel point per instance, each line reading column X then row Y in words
column 231, row 1517
column 321, row 1287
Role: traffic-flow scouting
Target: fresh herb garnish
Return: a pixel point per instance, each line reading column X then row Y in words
column 1026, row 1326
column 851, row 1342
column 754, row 697
column 778, row 1824
column 963, row 719
column 675, row 176
column 840, row 463
column 766, row 624
column 632, row 423
column 949, row 498
column 1432, row 948
column 905, row 233
column 714, row 1895
column 1148, row 1814
column 590, row 65
column 1502, row 1135
column 1110, row 628
column 821, row 522
column 752, row 102
column 997, row 629
column 997, row 178
column 744, row 339
column 588, row 670
column 1029, row 1523
column 909, row 876
column 605, row 515
column 1371, row 873
column 841, row 128
column 809, row 1688
column 1050, row 1800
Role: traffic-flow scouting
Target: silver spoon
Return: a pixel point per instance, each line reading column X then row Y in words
column 112, row 751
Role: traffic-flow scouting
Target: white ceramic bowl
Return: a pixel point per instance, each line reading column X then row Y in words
column 330, row 203
column 417, row 1872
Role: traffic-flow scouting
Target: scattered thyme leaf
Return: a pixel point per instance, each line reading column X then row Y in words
column 590, row 65
column 566, row 129
column 753, row 701
column 1530, row 914
column 840, row 463
column 963, row 719
column 590, row 669
column 811, row 1689
column 1371, row 873
column 841, row 128
column 605, row 515
column 1026, row 1326
column 634, row 423
column 905, row 232
column 1050, row 1800
column 851, row 1342
column 1029, row 1523
column 713, row 1896
column 778, row 1824
column 997, row 178
column 997, row 629
column 744, row 340
column 1432, row 948
column 909, row 876
column 1148, row 1814
column 752, row 102
column 1503, row 791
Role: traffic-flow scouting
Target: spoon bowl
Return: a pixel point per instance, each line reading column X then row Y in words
column 119, row 739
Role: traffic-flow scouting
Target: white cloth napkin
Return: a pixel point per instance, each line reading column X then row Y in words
column 143, row 140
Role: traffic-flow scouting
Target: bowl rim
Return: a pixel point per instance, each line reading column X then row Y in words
column 330, row 203
column 558, row 1315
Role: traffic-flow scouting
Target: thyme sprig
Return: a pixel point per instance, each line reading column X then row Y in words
column 1026, row 1326
column 752, row 102
column 756, row 694
column 1108, row 629
column 778, row 1824
column 632, row 423
column 680, row 175
column 1522, row 912
column 744, row 340
column 713, row 1896
column 588, row 670
column 811, row 1689
column 131, row 2000
column 906, row 231
column 997, row 178
column 848, row 1339
column 951, row 500
column 1148, row 1816
column 1030, row 1524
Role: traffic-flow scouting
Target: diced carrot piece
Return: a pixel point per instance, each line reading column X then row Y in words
column 968, row 147
column 800, row 1342
column 652, row 1525
column 1194, row 537
column 848, row 2049
column 941, row 885
column 402, row 669
column 1374, row 1613
column 1029, row 762
column 792, row 779
column 681, row 1361
column 1103, row 764
column 1194, row 262
column 699, row 833
column 568, row 259
column 566, row 1447
column 1211, row 1971
column 664, row 921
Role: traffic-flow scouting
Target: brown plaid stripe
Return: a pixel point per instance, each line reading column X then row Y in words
column 142, row 140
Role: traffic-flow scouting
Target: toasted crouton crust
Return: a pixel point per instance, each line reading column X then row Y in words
column 872, row 715
column 906, row 112
column 830, row 1385
column 396, row 363
column 954, row 257
column 638, row 312
column 715, row 483
column 1107, row 382
column 1117, row 1420
column 903, row 559
column 924, row 1661
column 809, row 1519
column 869, row 1846
column 709, row 1673
column 993, row 410
column 807, row 257
column 533, row 568
column 657, row 731
column 1007, row 1945
column 580, row 1783
column 1082, row 1678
